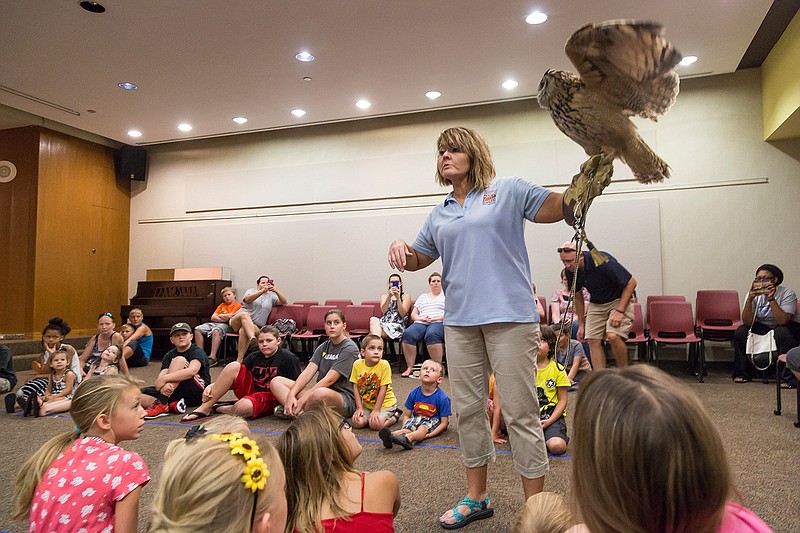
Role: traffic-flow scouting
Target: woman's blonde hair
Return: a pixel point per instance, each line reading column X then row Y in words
column 481, row 168
column 546, row 512
column 93, row 397
column 316, row 458
column 201, row 488
column 647, row 455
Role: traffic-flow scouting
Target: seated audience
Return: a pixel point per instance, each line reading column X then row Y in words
column 427, row 412
column 52, row 340
column 225, row 483
column 218, row 327
column 552, row 384
column 106, row 336
column 428, row 317
column 768, row 306
column 326, row 492
column 546, row 512
column 332, row 363
column 256, row 306
column 250, row 380
column 571, row 355
column 183, row 377
column 376, row 404
column 395, row 305
column 138, row 346
column 666, row 471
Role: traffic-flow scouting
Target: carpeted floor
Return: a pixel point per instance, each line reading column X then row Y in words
column 764, row 452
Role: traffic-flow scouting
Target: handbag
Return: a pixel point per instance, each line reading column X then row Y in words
column 760, row 348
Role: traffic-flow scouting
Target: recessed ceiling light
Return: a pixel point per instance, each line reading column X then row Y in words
column 185, row 127
column 363, row 104
column 92, row 7
column 433, row 95
column 304, row 56
column 135, row 133
column 688, row 60
column 510, row 84
column 537, row 17
column 239, row 120
column 298, row 112
column 128, row 86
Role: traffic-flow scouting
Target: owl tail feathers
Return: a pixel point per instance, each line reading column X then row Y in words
column 645, row 164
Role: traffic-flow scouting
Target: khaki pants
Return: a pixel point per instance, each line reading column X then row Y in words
column 510, row 349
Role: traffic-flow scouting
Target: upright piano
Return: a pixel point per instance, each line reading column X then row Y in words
column 165, row 303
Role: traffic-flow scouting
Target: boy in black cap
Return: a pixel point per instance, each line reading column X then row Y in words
column 184, row 374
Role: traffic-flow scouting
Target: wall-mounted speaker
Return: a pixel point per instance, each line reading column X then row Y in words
column 132, row 164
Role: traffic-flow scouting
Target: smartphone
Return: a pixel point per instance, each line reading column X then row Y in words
column 395, row 283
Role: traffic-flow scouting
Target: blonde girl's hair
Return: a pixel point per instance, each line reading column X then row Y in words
column 481, row 169
column 317, row 459
column 94, row 397
column 666, row 471
column 546, row 512
column 201, row 488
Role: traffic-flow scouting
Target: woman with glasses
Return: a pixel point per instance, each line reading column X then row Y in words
column 326, row 491
column 105, row 337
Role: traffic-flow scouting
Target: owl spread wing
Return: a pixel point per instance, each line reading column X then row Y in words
column 629, row 63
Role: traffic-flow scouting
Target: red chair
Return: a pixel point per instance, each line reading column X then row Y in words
column 306, row 304
column 660, row 298
column 718, row 315
column 376, row 304
column 339, row 304
column 315, row 328
column 358, row 319
column 672, row 323
column 637, row 334
column 782, row 360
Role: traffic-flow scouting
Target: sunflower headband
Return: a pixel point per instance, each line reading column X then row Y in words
column 255, row 472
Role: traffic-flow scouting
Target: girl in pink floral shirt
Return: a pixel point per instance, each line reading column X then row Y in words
column 81, row 481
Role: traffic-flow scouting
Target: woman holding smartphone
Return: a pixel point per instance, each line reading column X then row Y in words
column 395, row 305
column 768, row 306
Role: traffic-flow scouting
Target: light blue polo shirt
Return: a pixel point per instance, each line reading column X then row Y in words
column 486, row 273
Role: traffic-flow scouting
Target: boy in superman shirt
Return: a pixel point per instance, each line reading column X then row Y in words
column 427, row 410
column 376, row 404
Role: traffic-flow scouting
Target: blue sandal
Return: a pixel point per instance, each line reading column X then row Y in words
column 478, row 511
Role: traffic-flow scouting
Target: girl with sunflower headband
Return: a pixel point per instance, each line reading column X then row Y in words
column 226, row 483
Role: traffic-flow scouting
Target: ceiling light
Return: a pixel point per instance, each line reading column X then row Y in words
column 537, row 17
column 239, row 120
column 298, row 112
column 185, row 127
column 433, row 95
column 305, row 57
column 510, row 84
column 128, row 86
column 363, row 104
column 135, row 133
column 687, row 60
column 92, row 7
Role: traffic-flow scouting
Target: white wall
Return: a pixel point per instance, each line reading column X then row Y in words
column 315, row 208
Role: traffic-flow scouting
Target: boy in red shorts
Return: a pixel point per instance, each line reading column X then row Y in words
column 250, row 380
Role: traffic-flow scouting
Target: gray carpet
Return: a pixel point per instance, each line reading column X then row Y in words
column 763, row 451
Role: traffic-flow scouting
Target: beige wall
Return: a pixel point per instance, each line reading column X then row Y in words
column 316, row 208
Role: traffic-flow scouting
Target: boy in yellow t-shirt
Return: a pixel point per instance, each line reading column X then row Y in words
column 372, row 387
column 552, row 384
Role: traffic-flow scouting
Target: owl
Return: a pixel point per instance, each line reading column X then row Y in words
column 625, row 68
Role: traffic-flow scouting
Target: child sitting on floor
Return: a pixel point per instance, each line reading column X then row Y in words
column 552, row 384
column 372, row 384
column 91, row 483
column 183, row 377
column 427, row 410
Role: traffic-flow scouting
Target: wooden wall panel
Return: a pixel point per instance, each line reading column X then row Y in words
column 18, row 229
column 83, row 232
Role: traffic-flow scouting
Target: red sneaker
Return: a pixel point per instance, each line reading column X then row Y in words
column 178, row 407
column 157, row 410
